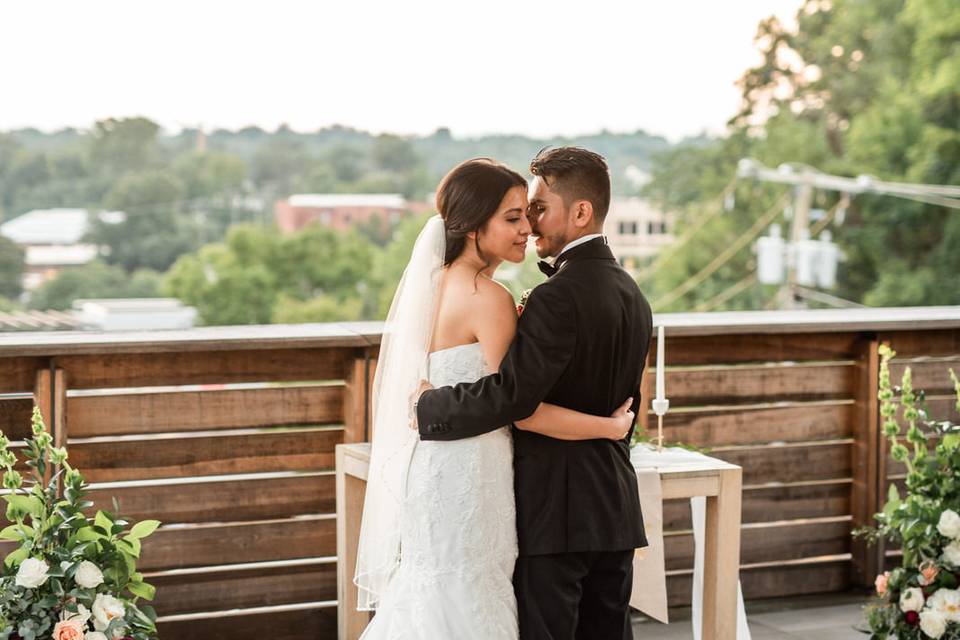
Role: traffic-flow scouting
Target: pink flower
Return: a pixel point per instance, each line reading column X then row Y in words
column 68, row 630
column 928, row 572
column 881, row 582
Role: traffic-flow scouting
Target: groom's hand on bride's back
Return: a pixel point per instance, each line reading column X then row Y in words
column 414, row 398
column 622, row 420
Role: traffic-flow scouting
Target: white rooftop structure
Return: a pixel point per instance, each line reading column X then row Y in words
column 59, row 256
column 53, row 226
column 114, row 314
column 333, row 200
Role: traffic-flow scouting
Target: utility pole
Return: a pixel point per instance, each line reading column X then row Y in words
column 799, row 231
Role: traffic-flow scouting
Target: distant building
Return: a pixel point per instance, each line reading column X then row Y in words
column 53, row 240
column 337, row 211
column 37, row 321
column 117, row 314
column 636, row 231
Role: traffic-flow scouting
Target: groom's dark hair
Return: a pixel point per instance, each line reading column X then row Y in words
column 575, row 174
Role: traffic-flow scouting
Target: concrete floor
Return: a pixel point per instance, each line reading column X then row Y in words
column 823, row 617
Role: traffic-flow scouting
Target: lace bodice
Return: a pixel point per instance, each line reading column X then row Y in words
column 462, row 363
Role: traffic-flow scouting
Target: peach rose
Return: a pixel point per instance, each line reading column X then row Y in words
column 69, row 630
column 881, row 582
column 928, row 572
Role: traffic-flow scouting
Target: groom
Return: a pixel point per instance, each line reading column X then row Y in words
column 581, row 343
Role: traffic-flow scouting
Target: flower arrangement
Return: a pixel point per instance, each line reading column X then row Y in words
column 70, row 577
column 919, row 599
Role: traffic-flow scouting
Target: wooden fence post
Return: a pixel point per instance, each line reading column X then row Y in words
column 868, row 451
column 357, row 416
column 50, row 396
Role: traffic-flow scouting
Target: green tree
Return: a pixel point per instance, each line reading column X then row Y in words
column 153, row 232
column 94, row 280
column 858, row 88
column 11, row 268
column 127, row 144
column 257, row 276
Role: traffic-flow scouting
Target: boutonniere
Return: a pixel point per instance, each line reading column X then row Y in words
column 523, row 301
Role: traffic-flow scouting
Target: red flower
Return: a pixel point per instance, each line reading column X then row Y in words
column 519, row 309
column 912, row 617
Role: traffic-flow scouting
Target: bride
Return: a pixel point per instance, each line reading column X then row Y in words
column 438, row 538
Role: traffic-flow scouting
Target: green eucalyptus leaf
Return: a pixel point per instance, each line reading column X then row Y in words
column 15, row 558
column 144, row 528
column 142, row 589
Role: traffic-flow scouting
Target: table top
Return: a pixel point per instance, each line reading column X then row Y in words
column 671, row 463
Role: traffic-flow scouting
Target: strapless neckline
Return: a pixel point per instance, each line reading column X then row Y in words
column 459, row 346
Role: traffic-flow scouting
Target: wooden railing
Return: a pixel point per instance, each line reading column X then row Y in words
column 227, row 436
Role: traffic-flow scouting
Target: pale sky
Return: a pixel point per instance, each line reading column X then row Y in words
column 404, row 66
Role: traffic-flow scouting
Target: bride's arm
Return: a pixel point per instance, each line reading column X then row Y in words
column 567, row 424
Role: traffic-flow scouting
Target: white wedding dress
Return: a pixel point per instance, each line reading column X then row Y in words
column 458, row 532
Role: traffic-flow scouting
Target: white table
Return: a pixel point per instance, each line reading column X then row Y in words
column 718, row 481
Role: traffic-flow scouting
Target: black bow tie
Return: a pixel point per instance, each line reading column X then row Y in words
column 547, row 268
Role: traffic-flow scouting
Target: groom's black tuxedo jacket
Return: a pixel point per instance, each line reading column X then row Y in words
column 581, row 343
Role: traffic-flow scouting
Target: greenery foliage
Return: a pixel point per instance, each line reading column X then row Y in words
column 67, row 568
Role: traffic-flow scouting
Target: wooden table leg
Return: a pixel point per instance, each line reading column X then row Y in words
column 350, row 494
column 721, row 566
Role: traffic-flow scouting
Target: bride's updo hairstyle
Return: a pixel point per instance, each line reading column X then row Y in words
column 468, row 197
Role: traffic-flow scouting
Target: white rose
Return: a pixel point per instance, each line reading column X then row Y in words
column 947, row 603
column 88, row 575
column 32, row 573
column 82, row 614
column 949, row 524
column 933, row 623
column 94, row 635
column 105, row 609
column 951, row 554
column 910, row 600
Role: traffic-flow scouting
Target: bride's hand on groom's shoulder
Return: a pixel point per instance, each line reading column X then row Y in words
column 621, row 421
column 414, row 398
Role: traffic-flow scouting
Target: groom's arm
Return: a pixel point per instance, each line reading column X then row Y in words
column 537, row 357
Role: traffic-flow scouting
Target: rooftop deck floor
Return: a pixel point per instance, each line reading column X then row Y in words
column 824, row 617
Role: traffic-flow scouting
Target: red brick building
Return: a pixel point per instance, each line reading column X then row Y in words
column 337, row 211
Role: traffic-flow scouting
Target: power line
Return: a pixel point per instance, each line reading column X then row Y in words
column 725, row 255
column 826, row 298
column 938, row 194
column 727, row 293
column 715, row 206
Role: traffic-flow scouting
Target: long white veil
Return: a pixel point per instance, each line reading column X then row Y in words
column 404, row 350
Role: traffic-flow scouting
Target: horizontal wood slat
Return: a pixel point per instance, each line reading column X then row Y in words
column 760, row 425
column 212, row 367
column 740, row 385
column 223, row 501
column 770, row 543
column 239, row 542
column 932, row 377
column 15, row 416
column 774, row 581
column 936, row 342
column 203, row 410
column 753, row 347
column 773, row 504
column 20, row 374
column 311, row 624
column 243, row 588
column 292, row 450
column 790, row 463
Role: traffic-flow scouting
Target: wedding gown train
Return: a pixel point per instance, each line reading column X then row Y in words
column 458, row 531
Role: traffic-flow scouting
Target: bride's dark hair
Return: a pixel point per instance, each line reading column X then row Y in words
column 468, row 197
